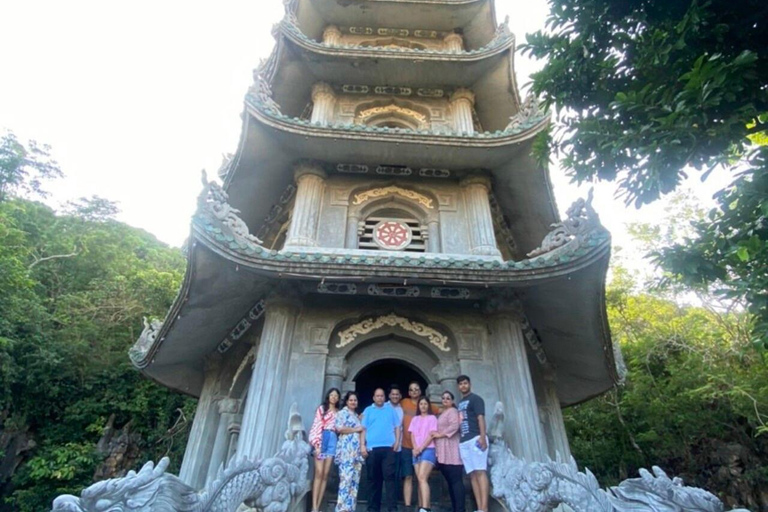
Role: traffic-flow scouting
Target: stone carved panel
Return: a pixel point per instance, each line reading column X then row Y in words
column 350, row 334
column 470, row 343
column 447, row 202
column 393, row 190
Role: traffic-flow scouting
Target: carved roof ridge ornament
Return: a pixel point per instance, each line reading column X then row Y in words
column 147, row 338
column 348, row 335
column 262, row 91
column 393, row 190
column 213, row 200
column 530, row 109
column 581, row 220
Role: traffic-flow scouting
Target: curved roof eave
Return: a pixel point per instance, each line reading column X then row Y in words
column 226, row 276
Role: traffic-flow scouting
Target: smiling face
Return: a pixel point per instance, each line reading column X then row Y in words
column 352, row 402
column 333, row 398
column 378, row 397
column 414, row 391
column 447, row 401
column 395, row 396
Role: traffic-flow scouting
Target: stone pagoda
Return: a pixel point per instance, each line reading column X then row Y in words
column 383, row 220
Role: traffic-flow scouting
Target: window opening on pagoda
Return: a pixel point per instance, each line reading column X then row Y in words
column 392, row 230
column 392, row 115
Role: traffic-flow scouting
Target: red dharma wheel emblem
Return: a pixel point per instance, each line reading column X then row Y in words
column 392, row 235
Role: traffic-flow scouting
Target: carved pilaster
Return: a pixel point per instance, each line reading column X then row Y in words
column 261, row 427
column 336, row 369
column 516, row 388
column 228, row 409
column 454, row 43
column 332, row 36
column 479, row 217
column 462, row 103
column 554, row 426
column 310, row 183
column 323, row 103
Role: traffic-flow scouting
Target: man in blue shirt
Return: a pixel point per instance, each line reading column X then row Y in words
column 381, row 428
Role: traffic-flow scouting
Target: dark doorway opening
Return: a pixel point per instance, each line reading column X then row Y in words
column 383, row 374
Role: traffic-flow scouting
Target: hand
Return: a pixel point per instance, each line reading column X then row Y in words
column 359, row 430
column 416, row 452
column 396, row 446
column 483, row 443
column 364, row 452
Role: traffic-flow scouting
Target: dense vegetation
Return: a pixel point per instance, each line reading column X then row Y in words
column 650, row 91
column 73, row 289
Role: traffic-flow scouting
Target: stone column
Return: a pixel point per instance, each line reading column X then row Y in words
column 310, row 180
column 433, row 242
column 479, row 217
column 522, row 427
column 263, row 422
column 323, row 103
column 201, row 438
column 454, row 43
column 335, row 372
column 462, row 102
column 353, row 223
column 446, row 372
column 332, row 36
column 228, row 409
column 554, row 426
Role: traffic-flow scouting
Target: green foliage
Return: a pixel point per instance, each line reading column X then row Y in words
column 694, row 388
column 647, row 90
column 24, row 168
column 73, row 290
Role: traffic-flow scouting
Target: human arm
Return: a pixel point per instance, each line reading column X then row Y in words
column 363, row 449
column 453, row 421
column 483, row 441
column 316, row 432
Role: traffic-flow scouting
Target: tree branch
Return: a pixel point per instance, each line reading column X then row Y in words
column 74, row 252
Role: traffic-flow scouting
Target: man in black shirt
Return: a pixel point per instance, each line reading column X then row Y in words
column 474, row 442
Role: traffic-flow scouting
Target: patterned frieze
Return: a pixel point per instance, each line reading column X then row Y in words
column 337, row 288
column 376, row 193
column 242, row 327
column 393, row 291
column 394, row 170
column 444, row 292
column 399, row 32
column 351, row 333
column 392, row 91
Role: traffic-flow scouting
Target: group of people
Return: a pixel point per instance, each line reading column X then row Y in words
column 397, row 440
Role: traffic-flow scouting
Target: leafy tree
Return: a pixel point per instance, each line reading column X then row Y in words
column 647, row 90
column 24, row 168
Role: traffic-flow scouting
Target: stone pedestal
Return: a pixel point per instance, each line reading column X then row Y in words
column 323, row 103
column 332, row 36
column 522, row 427
column 266, row 408
column 310, row 181
column 462, row 103
column 480, row 219
column 454, row 43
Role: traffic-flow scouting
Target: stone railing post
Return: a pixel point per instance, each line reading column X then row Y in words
column 454, row 43
column 332, row 36
column 479, row 216
column 323, row 103
column 228, row 409
column 263, row 418
column 462, row 102
column 310, row 181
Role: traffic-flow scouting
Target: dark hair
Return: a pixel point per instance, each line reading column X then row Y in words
column 327, row 399
column 347, row 395
column 415, row 382
column 394, row 387
column 446, row 392
column 462, row 378
column 418, row 404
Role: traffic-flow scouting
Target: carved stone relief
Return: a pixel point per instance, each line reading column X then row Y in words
column 350, row 334
column 393, row 190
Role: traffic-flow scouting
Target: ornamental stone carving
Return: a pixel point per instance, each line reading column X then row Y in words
column 581, row 220
column 213, row 200
column 530, row 110
column 541, row 486
column 350, row 334
column 270, row 484
column 393, row 190
column 146, row 340
column 393, row 110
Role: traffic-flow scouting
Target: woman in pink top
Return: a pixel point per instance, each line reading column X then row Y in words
column 448, row 457
column 421, row 429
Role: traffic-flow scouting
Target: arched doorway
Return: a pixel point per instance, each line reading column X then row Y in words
column 382, row 374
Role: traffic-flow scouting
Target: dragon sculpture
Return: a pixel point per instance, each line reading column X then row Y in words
column 270, row 485
column 524, row 486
